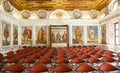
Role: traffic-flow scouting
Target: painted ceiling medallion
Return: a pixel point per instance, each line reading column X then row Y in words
column 42, row 14
column 7, row 6
column 93, row 14
column 77, row 14
column 25, row 14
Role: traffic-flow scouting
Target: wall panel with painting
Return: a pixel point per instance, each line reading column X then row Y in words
column 41, row 35
column 103, row 34
column 59, row 36
column 6, row 33
column 26, row 33
column 9, row 33
column 92, row 35
column 77, row 35
column 15, row 34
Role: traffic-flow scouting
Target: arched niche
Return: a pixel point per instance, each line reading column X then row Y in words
column 59, row 14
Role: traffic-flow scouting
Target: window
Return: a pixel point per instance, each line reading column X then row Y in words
column 117, row 33
column 115, row 5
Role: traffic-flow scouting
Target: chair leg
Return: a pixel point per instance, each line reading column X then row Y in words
column 118, row 71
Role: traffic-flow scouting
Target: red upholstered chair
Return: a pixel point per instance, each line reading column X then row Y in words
column 1, row 68
column 16, row 68
column 76, row 62
column 108, row 59
column 18, row 52
column 47, row 61
column 30, row 53
column 61, row 60
column 85, row 68
column 97, row 49
column 28, row 62
column 1, row 61
column 101, row 52
column 97, row 55
column 72, row 56
column 35, row 56
column 22, row 56
column 93, row 60
column 9, row 55
column 110, row 54
column 85, row 56
column 108, row 51
column 107, row 67
column 76, row 50
column 12, row 60
column 41, row 53
column 38, row 68
column 50, row 55
column 80, row 53
column 91, row 53
column 60, row 56
column 118, row 55
column 62, row 68
column 1, row 55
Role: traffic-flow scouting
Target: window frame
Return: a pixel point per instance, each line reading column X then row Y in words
column 117, row 36
column 114, row 8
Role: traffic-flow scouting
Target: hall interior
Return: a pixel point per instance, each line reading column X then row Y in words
column 59, row 36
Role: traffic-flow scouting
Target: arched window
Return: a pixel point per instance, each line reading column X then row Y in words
column 115, row 5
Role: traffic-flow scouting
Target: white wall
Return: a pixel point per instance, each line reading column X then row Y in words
column 42, row 22
column 69, row 22
column 8, row 18
column 109, row 21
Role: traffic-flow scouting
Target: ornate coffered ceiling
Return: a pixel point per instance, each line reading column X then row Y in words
column 50, row 5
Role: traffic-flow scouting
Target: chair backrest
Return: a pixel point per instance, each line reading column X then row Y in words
column 85, row 68
column 106, row 67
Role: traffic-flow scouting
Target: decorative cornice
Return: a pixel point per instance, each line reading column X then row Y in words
column 110, row 16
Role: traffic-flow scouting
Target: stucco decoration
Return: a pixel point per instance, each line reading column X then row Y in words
column 93, row 14
column 77, row 14
column 59, row 14
column 42, row 14
column 7, row 7
column 25, row 14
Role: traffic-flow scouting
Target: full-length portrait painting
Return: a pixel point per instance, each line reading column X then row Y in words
column 26, row 34
column 6, row 31
column 103, row 31
column 77, row 35
column 41, row 35
column 15, row 35
column 92, row 33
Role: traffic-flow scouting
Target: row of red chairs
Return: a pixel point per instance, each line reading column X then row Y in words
column 61, row 60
